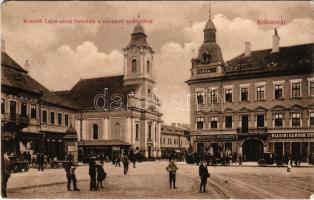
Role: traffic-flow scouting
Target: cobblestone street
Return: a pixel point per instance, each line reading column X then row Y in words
column 150, row 180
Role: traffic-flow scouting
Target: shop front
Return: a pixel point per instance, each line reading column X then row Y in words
column 296, row 145
column 217, row 145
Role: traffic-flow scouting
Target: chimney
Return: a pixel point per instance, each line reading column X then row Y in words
column 276, row 40
column 2, row 45
column 247, row 51
column 26, row 65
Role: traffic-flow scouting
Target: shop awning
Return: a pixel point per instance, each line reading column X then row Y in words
column 103, row 143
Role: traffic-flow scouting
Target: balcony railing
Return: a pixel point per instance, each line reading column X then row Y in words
column 15, row 118
column 260, row 130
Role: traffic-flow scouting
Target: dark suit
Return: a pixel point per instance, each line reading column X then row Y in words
column 92, row 174
column 203, row 172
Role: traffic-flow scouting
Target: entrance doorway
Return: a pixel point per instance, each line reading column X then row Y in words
column 252, row 150
column 149, row 151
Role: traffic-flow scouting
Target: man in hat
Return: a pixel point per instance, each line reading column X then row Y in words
column 92, row 173
column 70, row 174
column 172, row 169
column 204, row 174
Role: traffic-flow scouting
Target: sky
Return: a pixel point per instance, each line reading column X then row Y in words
column 61, row 54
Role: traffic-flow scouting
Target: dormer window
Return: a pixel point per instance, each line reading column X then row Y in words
column 134, row 65
column 206, row 57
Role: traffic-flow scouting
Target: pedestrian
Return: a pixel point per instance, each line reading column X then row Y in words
column 204, row 174
column 132, row 158
column 125, row 162
column 118, row 160
column 92, row 173
column 70, row 175
column 5, row 174
column 172, row 170
column 101, row 174
column 289, row 165
column 40, row 161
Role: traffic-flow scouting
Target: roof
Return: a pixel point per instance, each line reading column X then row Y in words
column 14, row 76
column 172, row 130
column 209, row 25
column 84, row 91
column 291, row 58
column 103, row 142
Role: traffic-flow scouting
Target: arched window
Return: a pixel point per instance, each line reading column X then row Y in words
column 134, row 65
column 117, row 130
column 148, row 67
column 95, row 132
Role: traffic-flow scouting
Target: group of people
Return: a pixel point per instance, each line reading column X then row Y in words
column 97, row 173
column 203, row 173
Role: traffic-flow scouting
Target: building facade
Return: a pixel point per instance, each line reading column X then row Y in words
column 174, row 140
column 33, row 118
column 258, row 102
column 119, row 112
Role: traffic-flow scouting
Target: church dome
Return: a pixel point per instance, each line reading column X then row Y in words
column 138, row 29
column 209, row 25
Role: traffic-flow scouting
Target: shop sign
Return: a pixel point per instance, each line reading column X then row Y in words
column 71, row 148
column 216, row 137
column 291, row 135
column 115, row 148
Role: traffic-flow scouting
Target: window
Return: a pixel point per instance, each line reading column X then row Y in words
column 228, row 95
column 136, row 131
column 95, row 132
column 33, row 111
column 12, row 110
column 149, row 92
column 296, row 119
column 66, row 120
column 149, row 131
column 134, row 65
column 59, row 119
column 244, row 94
column 260, row 121
column 278, row 92
column 24, row 109
column 214, row 122
column 228, row 122
column 117, row 131
column 296, row 90
column 148, row 66
column 200, row 99
column 199, row 123
column 213, row 96
column 260, row 93
column 2, row 106
column 278, row 121
column 312, row 119
column 52, row 118
column 45, row 116
column 311, row 88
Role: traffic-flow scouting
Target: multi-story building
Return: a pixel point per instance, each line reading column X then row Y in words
column 260, row 101
column 174, row 140
column 119, row 112
column 33, row 118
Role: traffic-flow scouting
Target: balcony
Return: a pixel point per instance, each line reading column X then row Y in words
column 14, row 121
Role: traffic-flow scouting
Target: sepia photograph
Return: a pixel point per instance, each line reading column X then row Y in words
column 157, row 99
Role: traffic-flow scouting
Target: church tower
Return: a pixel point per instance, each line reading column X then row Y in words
column 209, row 61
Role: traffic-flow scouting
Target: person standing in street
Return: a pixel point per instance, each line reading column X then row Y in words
column 172, row 170
column 5, row 174
column 101, row 174
column 118, row 160
column 40, row 161
column 70, row 175
column 125, row 162
column 92, row 174
column 204, row 174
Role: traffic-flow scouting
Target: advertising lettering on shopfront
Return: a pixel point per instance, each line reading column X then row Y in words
column 291, row 135
column 215, row 137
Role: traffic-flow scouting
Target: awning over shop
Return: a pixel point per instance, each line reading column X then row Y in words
column 103, row 143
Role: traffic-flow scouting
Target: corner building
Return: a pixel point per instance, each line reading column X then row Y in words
column 258, row 102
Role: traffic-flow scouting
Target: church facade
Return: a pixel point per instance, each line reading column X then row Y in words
column 258, row 102
column 120, row 112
